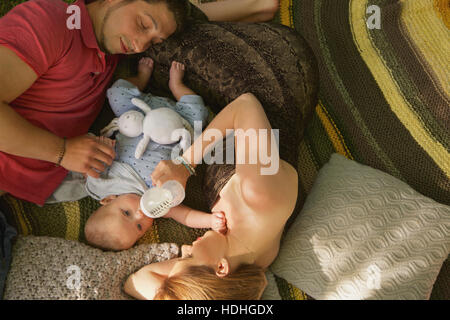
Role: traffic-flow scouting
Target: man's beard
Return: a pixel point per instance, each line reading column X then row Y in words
column 102, row 44
column 102, row 41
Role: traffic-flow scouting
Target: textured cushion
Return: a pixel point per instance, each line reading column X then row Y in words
column 271, row 292
column 363, row 234
column 46, row 268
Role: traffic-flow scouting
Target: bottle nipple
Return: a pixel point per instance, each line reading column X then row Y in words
column 156, row 202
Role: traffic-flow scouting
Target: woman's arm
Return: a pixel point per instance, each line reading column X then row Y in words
column 239, row 10
column 257, row 162
column 144, row 283
column 256, row 150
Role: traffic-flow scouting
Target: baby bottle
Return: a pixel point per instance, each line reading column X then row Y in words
column 156, row 202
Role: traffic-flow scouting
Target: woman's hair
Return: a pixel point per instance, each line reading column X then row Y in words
column 201, row 283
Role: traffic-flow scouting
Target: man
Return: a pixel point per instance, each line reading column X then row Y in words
column 53, row 81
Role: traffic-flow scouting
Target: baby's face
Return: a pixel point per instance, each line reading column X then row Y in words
column 122, row 219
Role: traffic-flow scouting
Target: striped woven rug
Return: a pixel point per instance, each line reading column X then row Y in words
column 384, row 93
column 384, row 102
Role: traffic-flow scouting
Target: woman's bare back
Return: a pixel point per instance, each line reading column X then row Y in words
column 259, row 228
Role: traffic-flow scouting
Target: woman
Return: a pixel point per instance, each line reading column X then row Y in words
column 256, row 208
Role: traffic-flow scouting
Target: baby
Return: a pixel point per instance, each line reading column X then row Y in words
column 119, row 222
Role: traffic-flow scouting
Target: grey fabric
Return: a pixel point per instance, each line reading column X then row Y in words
column 45, row 268
column 7, row 234
column 71, row 189
column 364, row 234
column 118, row 179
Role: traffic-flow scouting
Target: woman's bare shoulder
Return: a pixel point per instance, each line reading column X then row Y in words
column 285, row 187
column 279, row 190
column 144, row 283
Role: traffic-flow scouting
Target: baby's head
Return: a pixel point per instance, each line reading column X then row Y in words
column 118, row 223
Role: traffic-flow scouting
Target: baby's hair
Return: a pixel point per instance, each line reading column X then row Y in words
column 102, row 240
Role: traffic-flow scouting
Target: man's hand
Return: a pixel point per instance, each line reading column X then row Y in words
column 167, row 170
column 88, row 155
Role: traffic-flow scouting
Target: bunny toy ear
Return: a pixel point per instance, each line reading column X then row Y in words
column 184, row 136
column 188, row 127
column 141, row 105
column 142, row 145
column 110, row 128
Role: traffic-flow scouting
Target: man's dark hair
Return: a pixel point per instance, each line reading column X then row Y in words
column 179, row 8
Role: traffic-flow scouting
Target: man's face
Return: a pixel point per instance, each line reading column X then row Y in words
column 134, row 27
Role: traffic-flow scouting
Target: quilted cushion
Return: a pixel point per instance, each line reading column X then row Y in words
column 363, row 234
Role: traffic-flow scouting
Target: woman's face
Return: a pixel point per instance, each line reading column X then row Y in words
column 205, row 251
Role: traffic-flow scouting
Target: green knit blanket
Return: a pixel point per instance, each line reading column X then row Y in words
column 384, row 102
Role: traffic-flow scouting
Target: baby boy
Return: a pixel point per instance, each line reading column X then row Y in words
column 119, row 222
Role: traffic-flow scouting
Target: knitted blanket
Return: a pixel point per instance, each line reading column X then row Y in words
column 384, row 93
column 383, row 101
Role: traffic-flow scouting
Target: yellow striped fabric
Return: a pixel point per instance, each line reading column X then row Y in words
column 151, row 236
column 296, row 293
column 443, row 9
column 73, row 217
column 286, row 16
column 390, row 88
column 307, row 167
column 333, row 132
column 25, row 228
column 429, row 36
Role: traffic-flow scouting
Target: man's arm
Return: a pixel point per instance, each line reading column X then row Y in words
column 21, row 138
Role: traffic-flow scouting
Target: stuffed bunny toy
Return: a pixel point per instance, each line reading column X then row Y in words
column 162, row 125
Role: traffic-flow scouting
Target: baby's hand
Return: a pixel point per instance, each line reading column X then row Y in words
column 109, row 142
column 219, row 222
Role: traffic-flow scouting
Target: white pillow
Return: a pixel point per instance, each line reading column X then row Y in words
column 45, row 268
column 364, row 234
column 271, row 292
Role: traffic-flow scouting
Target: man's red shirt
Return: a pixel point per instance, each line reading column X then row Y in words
column 73, row 75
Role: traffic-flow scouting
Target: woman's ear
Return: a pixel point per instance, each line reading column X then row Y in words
column 107, row 199
column 223, row 268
